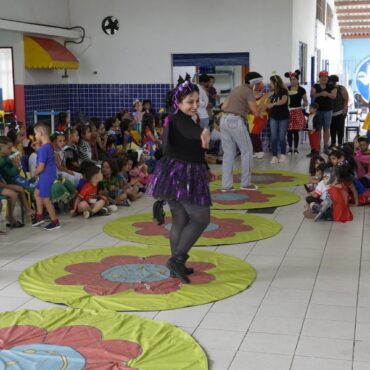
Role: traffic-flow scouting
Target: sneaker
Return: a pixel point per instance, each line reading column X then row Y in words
column 296, row 152
column 309, row 155
column 87, row 214
column 260, row 155
column 104, row 212
column 54, row 225
column 255, row 155
column 290, row 151
column 274, row 160
column 282, row 158
column 112, row 208
column 126, row 203
column 251, row 187
column 227, row 190
column 37, row 220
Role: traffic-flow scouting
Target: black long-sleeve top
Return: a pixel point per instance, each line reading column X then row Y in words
column 183, row 141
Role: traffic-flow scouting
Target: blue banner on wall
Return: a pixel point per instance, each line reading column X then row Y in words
column 210, row 59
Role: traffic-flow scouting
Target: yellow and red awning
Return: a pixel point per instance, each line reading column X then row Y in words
column 44, row 53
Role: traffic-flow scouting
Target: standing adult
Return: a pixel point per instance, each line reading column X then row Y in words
column 181, row 178
column 323, row 94
column 234, row 133
column 297, row 101
column 340, row 109
column 203, row 114
column 279, row 118
column 212, row 92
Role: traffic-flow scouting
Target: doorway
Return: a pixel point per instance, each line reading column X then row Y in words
column 7, row 102
column 228, row 69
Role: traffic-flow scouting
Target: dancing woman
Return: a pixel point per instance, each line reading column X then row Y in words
column 182, row 177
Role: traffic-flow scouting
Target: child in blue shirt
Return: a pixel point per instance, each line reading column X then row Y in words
column 46, row 170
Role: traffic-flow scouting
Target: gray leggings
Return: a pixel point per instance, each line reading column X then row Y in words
column 188, row 223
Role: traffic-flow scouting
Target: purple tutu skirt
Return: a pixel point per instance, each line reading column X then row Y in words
column 181, row 181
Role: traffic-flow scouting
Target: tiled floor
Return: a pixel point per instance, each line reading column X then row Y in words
column 309, row 308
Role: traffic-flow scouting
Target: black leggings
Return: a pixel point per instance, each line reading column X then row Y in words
column 337, row 128
column 293, row 134
column 188, row 223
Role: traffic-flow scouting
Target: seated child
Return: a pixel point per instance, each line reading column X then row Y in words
column 316, row 169
column 70, row 151
column 148, row 133
column 133, row 191
column 12, row 193
column 321, row 191
column 59, row 142
column 139, row 170
column 110, row 185
column 88, row 201
column 9, row 172
column 84, row 148
column 362, row 158
column 339, row 194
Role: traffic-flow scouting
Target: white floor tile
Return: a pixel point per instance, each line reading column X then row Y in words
column 219, row 339
column 224, row 321
column 269, row 343
column 328, row 312
column 325, row 348
column 260, row 361
column 276, row 325
column 328, row 329
column 312, row 363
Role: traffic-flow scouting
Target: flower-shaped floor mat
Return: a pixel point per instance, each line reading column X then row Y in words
column 267, row 178
column 251, row 199
column 58, row 339
column 134, row 278
column 225, row 228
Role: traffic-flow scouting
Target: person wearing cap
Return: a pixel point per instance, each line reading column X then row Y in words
column 340, row 109
column 234, row 132
column 324, row 94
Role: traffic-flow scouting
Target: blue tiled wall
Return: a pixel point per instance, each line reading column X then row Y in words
column 93, row 100
column 45, row 97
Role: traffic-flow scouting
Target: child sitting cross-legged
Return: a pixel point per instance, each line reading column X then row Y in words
column 132, row 190
column 110, row 185
column 88, row 202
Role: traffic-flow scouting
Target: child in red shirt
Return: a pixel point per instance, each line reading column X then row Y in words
column 88, row 202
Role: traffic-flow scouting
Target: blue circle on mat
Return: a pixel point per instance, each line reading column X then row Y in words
column 41, row 357
column 210, row 227
column 229, row 197
column 136, row 273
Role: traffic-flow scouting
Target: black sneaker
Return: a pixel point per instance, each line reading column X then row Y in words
column 310, row 155
column 37, row 220
column 54, row 225
column 290, row 151
column 103, row 212
column 296, row 152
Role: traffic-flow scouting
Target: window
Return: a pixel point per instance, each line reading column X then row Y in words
column 329, row 24
column 320, row 10
column 302, row 61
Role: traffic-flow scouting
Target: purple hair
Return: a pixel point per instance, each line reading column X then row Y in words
column 181, row 91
